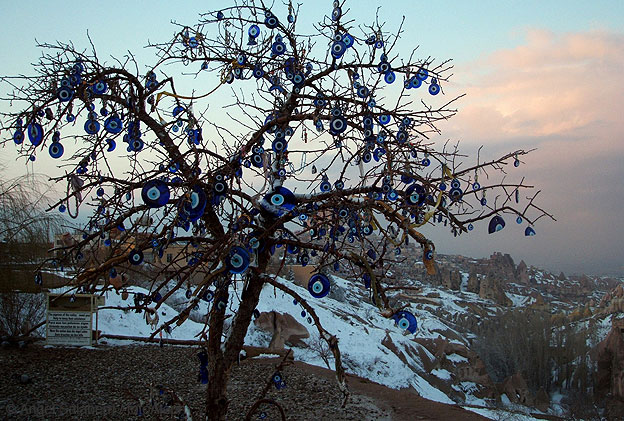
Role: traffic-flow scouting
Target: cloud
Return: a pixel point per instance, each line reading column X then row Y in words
column 564, row 95
column 553, row 84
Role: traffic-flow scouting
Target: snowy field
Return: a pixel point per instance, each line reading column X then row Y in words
column 358, row 325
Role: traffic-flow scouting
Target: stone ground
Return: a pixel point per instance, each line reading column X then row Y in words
column 106, row 383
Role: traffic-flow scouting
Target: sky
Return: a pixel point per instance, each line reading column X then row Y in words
column 545, row 75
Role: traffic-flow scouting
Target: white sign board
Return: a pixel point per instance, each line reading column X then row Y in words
column 70, row 319
column 69, row 328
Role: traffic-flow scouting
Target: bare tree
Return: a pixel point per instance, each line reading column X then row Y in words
column 26, row 230
column 323, row 153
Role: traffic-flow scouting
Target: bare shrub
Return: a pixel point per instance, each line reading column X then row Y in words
column 19, row 313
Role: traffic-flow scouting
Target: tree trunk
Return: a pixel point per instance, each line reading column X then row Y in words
column 222, row 359
column 216, row 394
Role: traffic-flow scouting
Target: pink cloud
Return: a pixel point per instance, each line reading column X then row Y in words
column 564, row 95
column 553, row 84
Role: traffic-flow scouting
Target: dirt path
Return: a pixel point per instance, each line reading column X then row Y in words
column 105, row 384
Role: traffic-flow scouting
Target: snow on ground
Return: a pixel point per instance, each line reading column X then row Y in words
column 59, row 272
column 131, row 323
column 464, row 282
column 359, row 326
column 456, row 358
column 360, row 329
column 518, row 300
column 441, row 373
column 497, row 414
column 602, row 329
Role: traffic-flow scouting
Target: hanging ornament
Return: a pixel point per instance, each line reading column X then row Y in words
column 319, row 285
column 496, row 224
column 406, row 321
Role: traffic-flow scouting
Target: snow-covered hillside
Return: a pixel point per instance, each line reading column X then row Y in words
column 372, row 346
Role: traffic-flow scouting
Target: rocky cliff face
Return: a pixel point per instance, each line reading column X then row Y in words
column 451, row 279
column 473, row 282
column 463, row 364
column 612, row 302
column 502, row 267
column 609, row 380
column 517, row 390
column 522, row 273
column 492, row 289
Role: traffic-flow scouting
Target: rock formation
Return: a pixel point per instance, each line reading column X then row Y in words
column 492, row 289
column 284, row 328
column 473, row 282
column 538, row 302
column 517, row 390
column 451, row 279
column 609, row 355
column 471, row 369
column 612, row 302
column 542, row 400
column 501, row 266
column 522, row 273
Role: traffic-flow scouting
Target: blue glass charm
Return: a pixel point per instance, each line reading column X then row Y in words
column 18, row 137
column 194, row 208
column 319, row 285
column 405, row 321
column 91, row 126
column 278, row 381
column 237, row 260
column 65, row 93
column 99, row 87
column 155, row 193
column 279, row 145
column 496, row 224
column 338, row 49
column 415, row 195
column 529, row 232
column 258, row 72
column 280, row 201
column 271, row 21
column 434, row 89
column 35, row 133
column 336, row 13
column 135, row 257
column 337, row 125
column 253, row 32
column 456, row 194
column 56, row 150
column 208, row 296
column 113, row 124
